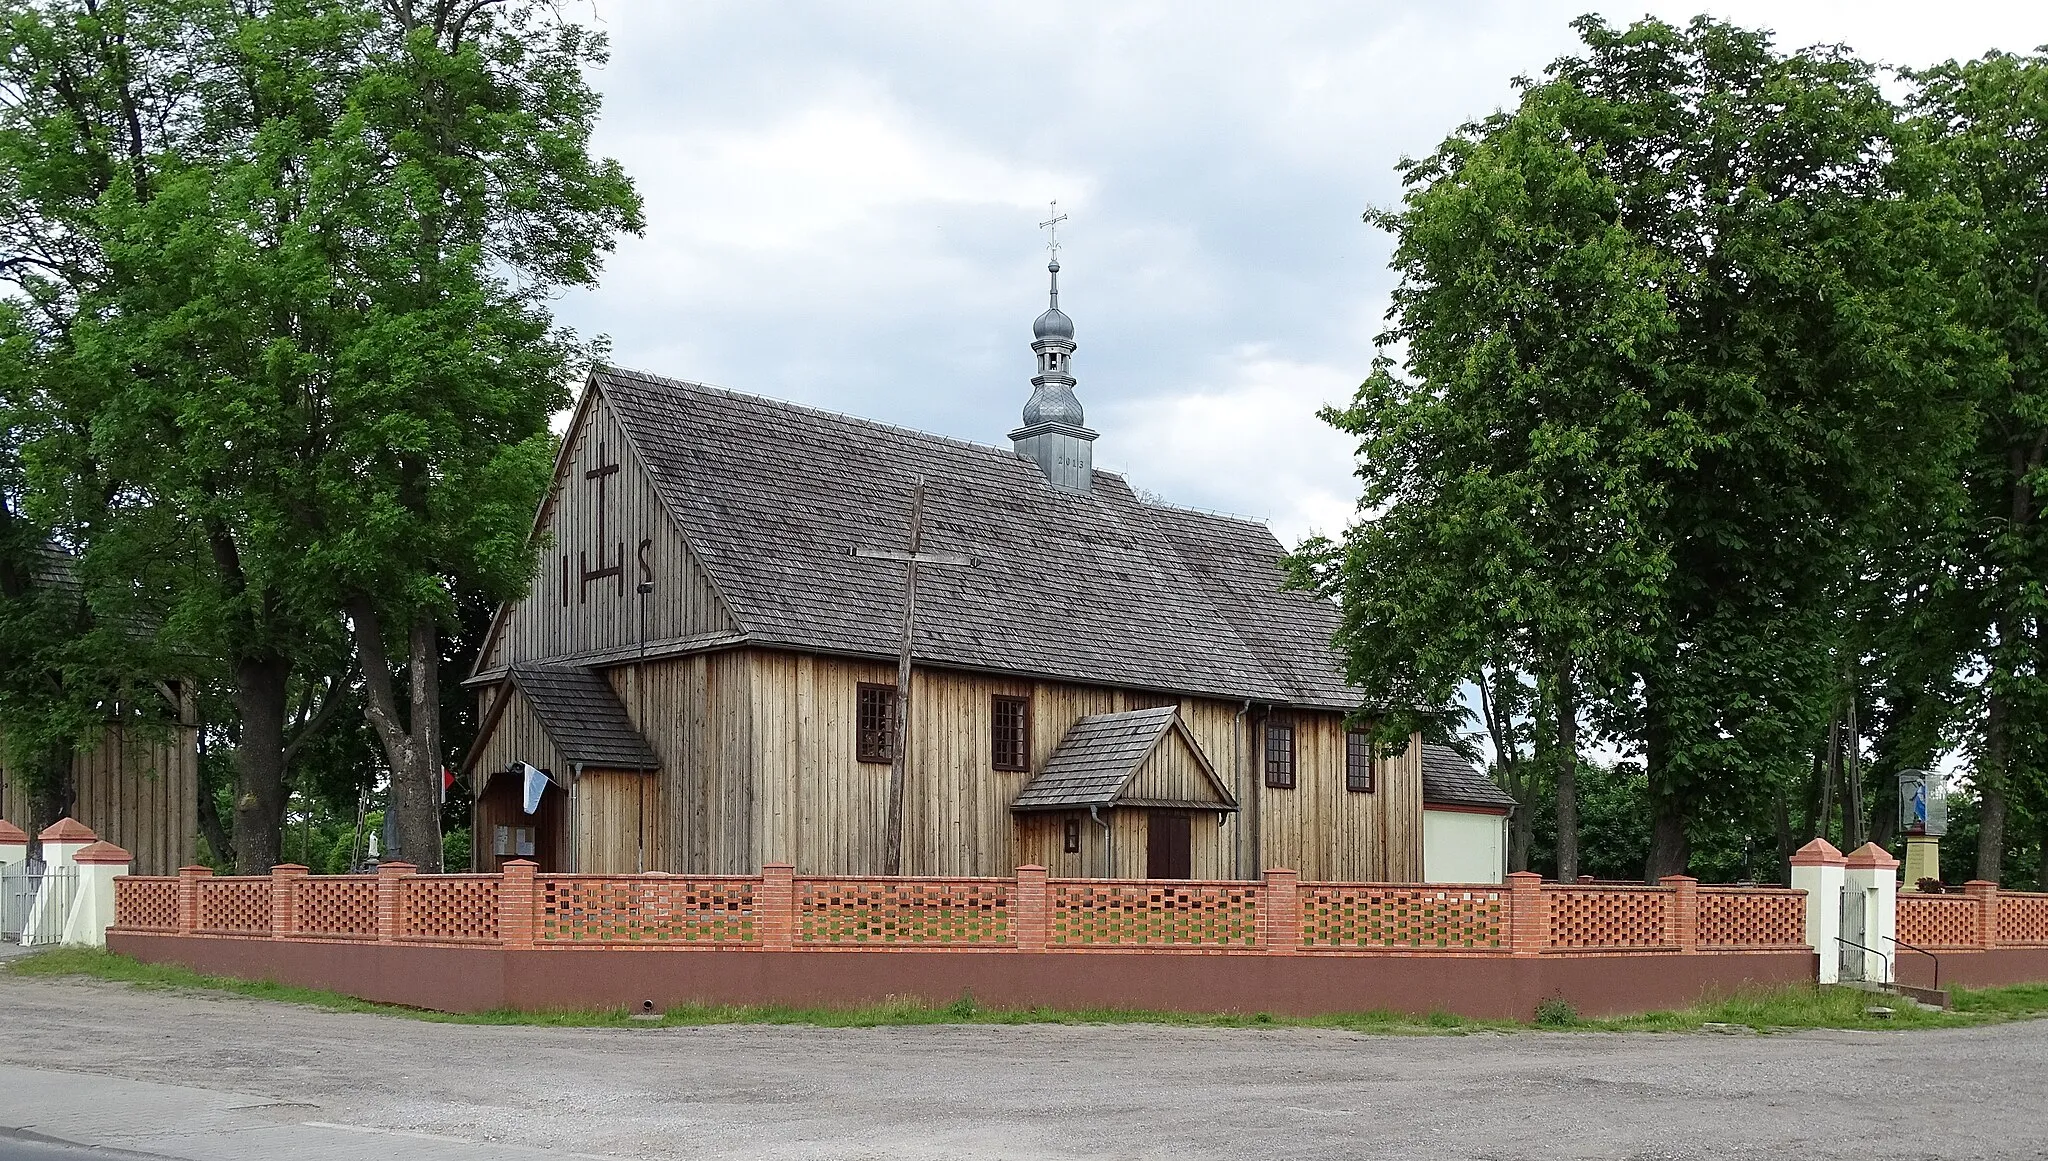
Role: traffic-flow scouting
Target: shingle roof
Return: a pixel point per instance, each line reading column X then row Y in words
column 1449, row 779
column 583, row 717
column 1097, row 587
column 1095, row 759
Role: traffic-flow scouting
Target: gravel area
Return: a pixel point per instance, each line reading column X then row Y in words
column 1050, row 1091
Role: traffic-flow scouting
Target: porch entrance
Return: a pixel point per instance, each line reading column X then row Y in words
column 1169, row 845
column 504, row 831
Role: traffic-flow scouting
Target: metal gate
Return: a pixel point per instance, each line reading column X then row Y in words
column 1855, row 931
column 36, row 902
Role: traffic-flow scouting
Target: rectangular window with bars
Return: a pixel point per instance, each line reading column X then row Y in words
column 1358, row 762
column 1010, row 739
column 1280, row 754
column 875, row 723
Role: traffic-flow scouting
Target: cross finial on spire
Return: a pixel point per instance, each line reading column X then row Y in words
column 1052, row 224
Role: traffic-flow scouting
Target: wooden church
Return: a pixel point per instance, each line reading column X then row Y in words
column 705, row 677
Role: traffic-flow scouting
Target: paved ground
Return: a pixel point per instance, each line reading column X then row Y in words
column 221, row 1078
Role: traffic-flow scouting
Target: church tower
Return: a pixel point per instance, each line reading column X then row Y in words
column 1053, row 434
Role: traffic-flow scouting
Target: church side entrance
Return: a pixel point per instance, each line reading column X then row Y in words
column 504, row 831
column 1169, row 845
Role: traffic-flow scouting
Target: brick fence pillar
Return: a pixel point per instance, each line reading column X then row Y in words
column 389, row 900
column 1030, row 917
column 284, row 899
column 1280, row 912
column 1528, row 918
column 188, row 897
column 1682, row 923
column 518, row 903
column 776, row 905
column 1986, row 895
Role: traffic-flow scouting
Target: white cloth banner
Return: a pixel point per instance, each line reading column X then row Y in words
column 536, row 782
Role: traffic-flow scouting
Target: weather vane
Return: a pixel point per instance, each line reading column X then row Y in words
column 1052, row 225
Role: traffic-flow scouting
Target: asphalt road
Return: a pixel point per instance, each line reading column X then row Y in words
column 215, row 1078
column 22, row 1149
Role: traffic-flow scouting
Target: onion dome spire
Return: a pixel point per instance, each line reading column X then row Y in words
column 1053, row 433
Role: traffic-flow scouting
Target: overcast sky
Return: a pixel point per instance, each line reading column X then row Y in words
column 842, row 203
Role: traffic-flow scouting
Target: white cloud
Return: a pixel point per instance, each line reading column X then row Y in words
column 1250, row 445
column 842, row 202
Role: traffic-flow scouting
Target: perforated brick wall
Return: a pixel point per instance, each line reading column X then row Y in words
column 1101, row 913
column 942, row 912
column 1369, row 915
column 337, row 906
column 1608, row 917
column 706, row 911
column 448, row 908
column 1751, row 917
column 1937, row 921
column 2022, row 919
column 237, row 905
column 146, row 904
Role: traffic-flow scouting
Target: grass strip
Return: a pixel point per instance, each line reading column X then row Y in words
column 1779, row 1009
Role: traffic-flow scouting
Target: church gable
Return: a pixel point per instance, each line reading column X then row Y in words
column 1177, row 774
column 605, row 532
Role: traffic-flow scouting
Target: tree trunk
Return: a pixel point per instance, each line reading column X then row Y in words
column 1520, row 783
column 52, row 797
column 1787, row 844
column 412, row 740
column 210, row 827
column 1670, row 848
column 260, row 791
column 1991, row 791
column 1567, row 758
column 1852, row 782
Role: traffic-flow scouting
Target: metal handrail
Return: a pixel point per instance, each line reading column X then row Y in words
column 1888, row 974
column 1923, row 951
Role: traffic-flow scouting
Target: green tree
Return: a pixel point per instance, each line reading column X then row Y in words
column 1505, row 457
column 298, row 250
column 1682, row 354
column 1985, row 120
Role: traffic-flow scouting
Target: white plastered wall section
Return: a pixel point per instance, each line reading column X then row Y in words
column 1460, row 846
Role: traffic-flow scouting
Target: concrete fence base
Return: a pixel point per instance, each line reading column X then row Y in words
column 466, row 979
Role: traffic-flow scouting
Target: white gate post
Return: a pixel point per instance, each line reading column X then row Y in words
column 98, row 866
column 1873, row 875
column 13, row 843
column 1817, row 869
column 62, row 840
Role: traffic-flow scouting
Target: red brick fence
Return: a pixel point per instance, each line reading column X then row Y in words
column 528, row 940
column 1983, row 936
column 779, row 911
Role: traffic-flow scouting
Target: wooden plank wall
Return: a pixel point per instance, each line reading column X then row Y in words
column 697, row 714
column 563, row 617
column 758, row 765
column 1328, row 833
column 618, row 811
column 137, row 792
column 1172, row 774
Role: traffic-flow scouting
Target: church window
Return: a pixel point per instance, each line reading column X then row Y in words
column 1280, row 754
column 1010, row 740
column 875, row 723
column 1358, row 762
column 1071, row 843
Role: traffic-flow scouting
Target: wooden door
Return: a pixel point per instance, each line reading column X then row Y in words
column 1169, row 845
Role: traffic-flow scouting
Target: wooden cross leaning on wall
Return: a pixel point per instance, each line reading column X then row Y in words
column 892, row 853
